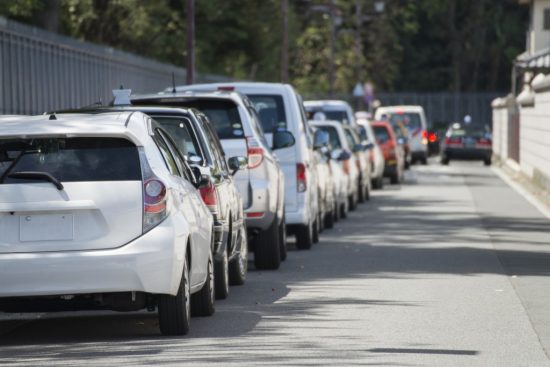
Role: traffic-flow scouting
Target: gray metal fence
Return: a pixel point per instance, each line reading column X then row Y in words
column 42, row 71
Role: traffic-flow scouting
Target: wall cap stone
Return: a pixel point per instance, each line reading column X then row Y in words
column 541, row 83
column 526, row 98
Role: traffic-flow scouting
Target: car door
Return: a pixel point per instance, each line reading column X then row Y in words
column 192, row 208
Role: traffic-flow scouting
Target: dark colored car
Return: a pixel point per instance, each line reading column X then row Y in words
column 466, row 143
column 394, row 154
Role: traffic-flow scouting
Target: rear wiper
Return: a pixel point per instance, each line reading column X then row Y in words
column 35, row 175
column 15, row 161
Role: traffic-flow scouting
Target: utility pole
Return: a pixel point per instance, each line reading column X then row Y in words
column 190, row 10
column 284, row 46
column 332, row 42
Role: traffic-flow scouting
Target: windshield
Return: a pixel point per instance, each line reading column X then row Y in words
column 411, row 120
column 271, row 111
column 71, row 159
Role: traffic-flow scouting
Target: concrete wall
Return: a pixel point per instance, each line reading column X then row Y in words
column 500, row 129
column 535, row 130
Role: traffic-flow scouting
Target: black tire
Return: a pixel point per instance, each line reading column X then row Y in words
column 238, row 266
column 352, row 202
column 221, row 276
column 315, row 236
column 424, row 161
column 367, row 193
column 394, row 179
column 336, row 212
column 304, row 236
column 202, row 302
column 445, row 161
column 174, row 312
column 360, row 192
column 343, row 211
column 267, row 248
column 282, row 239
column 378, row 183
column 329, row 219
column 487, row 162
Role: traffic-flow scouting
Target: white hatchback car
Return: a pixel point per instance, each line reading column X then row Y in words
column 102, row 210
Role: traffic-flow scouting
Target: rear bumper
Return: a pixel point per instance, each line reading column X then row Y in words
column 263, row 206
column 151, row 263
column 467, row 153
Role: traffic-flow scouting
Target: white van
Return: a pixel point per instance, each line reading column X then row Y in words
column 281, row 108
column 414, row 118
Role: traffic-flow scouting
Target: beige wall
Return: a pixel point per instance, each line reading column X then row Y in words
column 500, row 129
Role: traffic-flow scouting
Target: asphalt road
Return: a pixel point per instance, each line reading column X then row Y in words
column 450, row 269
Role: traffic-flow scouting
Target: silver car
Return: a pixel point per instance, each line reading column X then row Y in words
column 261, row 184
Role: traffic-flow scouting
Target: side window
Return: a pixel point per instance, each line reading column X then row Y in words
column 181, row 163
column 215, row 148
column 303, row 116
column 349, row 138
column 166, row 154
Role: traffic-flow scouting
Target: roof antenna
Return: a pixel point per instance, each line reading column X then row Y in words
column 173, row 83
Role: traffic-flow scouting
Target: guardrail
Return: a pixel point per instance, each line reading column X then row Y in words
column 41, row 71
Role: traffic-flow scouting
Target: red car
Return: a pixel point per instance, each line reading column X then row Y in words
column 393, row 152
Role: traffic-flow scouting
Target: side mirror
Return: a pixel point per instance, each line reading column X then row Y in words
column 282, row 139
column 358, row 147
column 363, row 133
column 321, row 139
column 200, row 179
column 237, row 163
column 341, row 155
column 369, row 146
column 194, row 159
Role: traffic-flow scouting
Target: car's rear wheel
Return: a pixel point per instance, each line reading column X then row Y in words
column 174, row 312
column 282, row 239
column 316, row 226
column 221, row 275
column 304, row 236
column 202, row 302
column 487, row 162
column 378, row 183
column 360, row 192
column 238, row 267
column 445, row 161
column 352, row 202
column 330, row 219
column 267, row 248
column 343, row 211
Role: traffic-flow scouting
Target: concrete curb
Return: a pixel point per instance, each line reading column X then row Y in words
column 545, row 210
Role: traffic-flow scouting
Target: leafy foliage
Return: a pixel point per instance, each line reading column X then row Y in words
column 424, row 45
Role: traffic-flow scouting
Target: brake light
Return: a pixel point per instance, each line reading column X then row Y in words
column 432, row 138
column 453, row 142
column 255, row 214
column 155, row 195
column 227, row 88
column 210, row 197
column 424, row 134
column 301, row 179
column 484, row 143
column 346, row 166
column 255, row 153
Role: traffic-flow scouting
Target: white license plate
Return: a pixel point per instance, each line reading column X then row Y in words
column 46, row 227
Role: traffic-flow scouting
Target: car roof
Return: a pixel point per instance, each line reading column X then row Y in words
column 280, row 87
column 330, row 104
column 182, row 93
column 126, row 124
column 404, row 108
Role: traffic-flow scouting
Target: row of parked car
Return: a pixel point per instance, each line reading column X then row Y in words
column 155, row 201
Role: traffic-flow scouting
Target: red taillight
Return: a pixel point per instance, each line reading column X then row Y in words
column 432, row 138
column 301, row 179
column 346, row 166
column 457, row 142
column 424, row 134
column 484, row 143
column 255, row 214
column 209, row 197
column 255, row 153
column 227, row 88
column 155, row 195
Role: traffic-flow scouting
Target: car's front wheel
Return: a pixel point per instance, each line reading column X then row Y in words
column 174, row 312
column 221, row 275
column 238, row 267
column 202, row 302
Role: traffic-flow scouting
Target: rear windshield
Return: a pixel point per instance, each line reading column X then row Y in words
column 333, row 136
column 410, row 120
column 271, row 111
column 223, row 114
column 340, row 116
column 381, row 133
column 70, row 159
